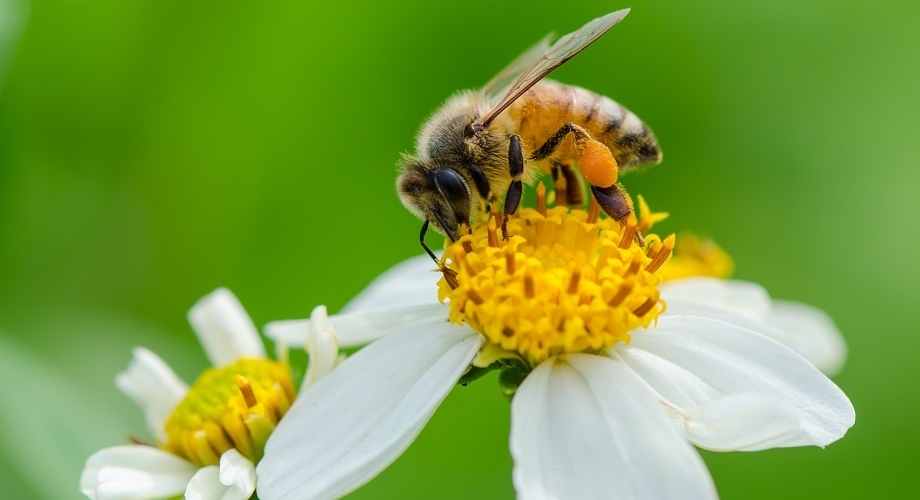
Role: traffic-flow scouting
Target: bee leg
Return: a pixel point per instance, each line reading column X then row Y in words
column 421, row 240
column 551, row 144
column 614, row 202
column 482, row 186
column 574, row 187
column 515, row 189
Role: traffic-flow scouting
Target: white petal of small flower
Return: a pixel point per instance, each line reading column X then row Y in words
column 811, row 333
column 583, row 427
column 206, row 485
column 224, row 329
column 358, row 328
column 134, row 472
column 691, row 360
column 355, row 421
column 742, row 422
column 411, row 282
column 154, row 387
column 321, row 345
column 238, row 471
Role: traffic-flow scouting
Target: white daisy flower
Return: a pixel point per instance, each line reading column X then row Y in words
column 614, row 378
column 209, row 435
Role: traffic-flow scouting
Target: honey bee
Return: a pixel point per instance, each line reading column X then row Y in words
column 476, row 146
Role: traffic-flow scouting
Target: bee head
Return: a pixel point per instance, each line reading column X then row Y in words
column 438, row 194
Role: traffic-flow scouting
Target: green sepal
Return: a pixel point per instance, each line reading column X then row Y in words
column 511, row 377
column 476, row 372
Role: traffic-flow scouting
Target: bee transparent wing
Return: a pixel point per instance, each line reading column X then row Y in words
column 514, row 70
column 564, row 49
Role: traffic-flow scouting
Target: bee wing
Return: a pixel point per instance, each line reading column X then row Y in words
column 564, row 49
column 514, row 70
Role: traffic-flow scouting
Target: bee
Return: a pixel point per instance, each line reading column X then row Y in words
column 476, row 146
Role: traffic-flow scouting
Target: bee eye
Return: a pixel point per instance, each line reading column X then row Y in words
column 454, row 189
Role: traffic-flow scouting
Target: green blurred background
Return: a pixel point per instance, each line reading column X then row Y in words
column 152, row 150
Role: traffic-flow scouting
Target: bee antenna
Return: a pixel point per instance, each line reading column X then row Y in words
column 421, row 240
column 450, row 233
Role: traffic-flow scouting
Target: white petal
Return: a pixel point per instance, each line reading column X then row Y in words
column 411, row 282
column 154, row 387
column 692, row 360
column 224, row 329
column 584, row 427
column 811, row 333
column 134, row 472
column 746, row 422
column 350, row 425
column 237, row 471
column 206, row 485
column 322, row 346
column 740, row 297
column 358, row 328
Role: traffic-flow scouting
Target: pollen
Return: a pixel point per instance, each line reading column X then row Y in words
column 563, row 282
column 235, row 406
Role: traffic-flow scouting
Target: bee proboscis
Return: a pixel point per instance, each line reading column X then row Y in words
column 476, row 146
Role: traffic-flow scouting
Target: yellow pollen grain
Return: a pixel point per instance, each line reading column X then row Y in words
column 559, row 284
column 235, row 406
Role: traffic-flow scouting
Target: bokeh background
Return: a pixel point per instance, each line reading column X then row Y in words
column 153, row 150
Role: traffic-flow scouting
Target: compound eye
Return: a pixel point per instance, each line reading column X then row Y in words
column 456, row 192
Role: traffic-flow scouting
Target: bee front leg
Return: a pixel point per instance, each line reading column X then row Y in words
column 482, row 186
column 515, row 190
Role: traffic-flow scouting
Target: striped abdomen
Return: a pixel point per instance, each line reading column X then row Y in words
column 548, row 105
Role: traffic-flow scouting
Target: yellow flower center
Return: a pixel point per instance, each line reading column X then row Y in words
column 565, row 281
column 235, row 406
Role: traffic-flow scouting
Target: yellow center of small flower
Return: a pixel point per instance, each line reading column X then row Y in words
column 235, row 406
column 565, row 281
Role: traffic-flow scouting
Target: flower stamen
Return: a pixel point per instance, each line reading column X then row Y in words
column 246, row 389
column 235, row 406
column 563, row 281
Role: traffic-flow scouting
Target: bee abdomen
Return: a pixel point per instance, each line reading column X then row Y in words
column 549, row 105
